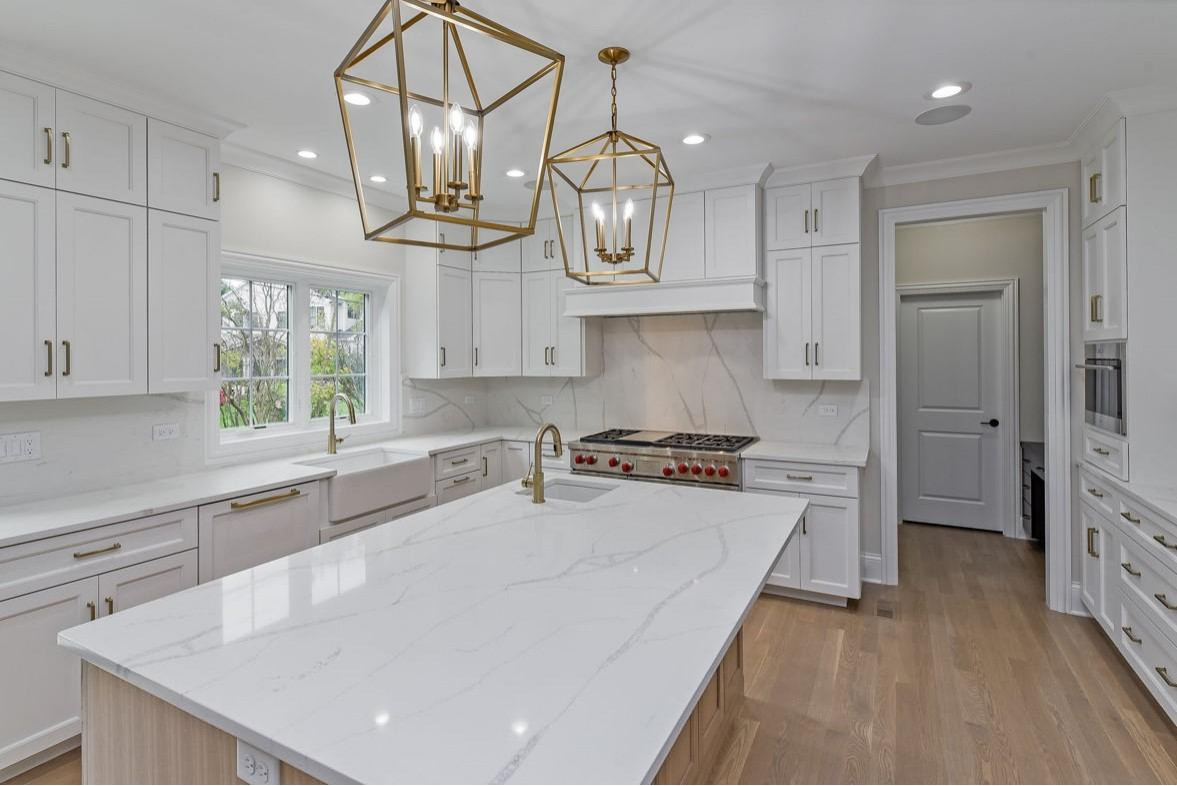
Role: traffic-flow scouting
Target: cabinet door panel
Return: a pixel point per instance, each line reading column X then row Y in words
column 182, row 165
column 456, row 488
column 1091, row 577
column 183, row 275
column 733, row 219
column 788, row 350
column 537, row 324
column 837, row 311
column 537, row 250
column 787, row 571
column 40, row 682
column 101, row 297
column 829, row 547
column 497, row 325
column 27, row 131
column 120, row 590
column 1105, row 278
column 567, row 354
column 454, row 321
column 492, row 465
column 504, row 258
column 516, row 461
column 686, row 243
column 28, row 300
column 242, row 533
column 787, row 217
column 1104, row 186
column 836, row 212
column 107, row 149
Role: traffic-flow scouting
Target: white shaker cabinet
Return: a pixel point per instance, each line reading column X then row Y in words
column 27, row 131
column 438, row 329
column 1104, row 186
column 132, row 586
column 28, row 300
column 101, row 297
column 102, row 149
column 492, row 464
column 183, row 276
column 537, row 324
column 1105, row 278
column 826, row 213
column 787, row 222
column 183, row 171
column 497, row 324
column 829, row 556
column 241, row 533
column 1099, row 568
column 454, row 322
column 555, row 345
column 836, row 207
column 788, row 342
column 516, row 461
column 37, row 676
column 732, row 247
column 541, row 251
column 503, row 258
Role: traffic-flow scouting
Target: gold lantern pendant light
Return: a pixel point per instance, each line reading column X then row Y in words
column 618, row 180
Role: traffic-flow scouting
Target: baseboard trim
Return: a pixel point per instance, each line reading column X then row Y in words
column 797, row 594
column 872, row 568
column 39, row 758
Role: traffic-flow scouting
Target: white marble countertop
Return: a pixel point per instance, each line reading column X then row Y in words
column 1160, row 500
column 808, row 454
column 490, row 640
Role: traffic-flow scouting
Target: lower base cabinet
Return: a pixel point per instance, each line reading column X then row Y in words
column 241, row 533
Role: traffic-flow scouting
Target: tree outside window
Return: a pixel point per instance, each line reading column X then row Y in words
column 255, row 356
column 338, row 348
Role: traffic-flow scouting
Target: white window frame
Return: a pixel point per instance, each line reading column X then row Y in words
column 383, row 418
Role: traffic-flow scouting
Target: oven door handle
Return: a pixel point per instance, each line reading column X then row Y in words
column 1093, row 367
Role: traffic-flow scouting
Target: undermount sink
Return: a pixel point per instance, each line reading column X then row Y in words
column 567, row 490
column 370, row 480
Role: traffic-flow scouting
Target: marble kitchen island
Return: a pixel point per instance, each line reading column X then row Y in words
column 490, row 640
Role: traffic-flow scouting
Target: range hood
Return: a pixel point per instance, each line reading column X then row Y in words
column 667, row 297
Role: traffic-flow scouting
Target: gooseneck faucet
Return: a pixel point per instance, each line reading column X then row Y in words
column 332, row 440
column 535, row 477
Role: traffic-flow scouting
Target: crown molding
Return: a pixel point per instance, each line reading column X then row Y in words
column 722, row 178
column 979, row 164
column 856, row 166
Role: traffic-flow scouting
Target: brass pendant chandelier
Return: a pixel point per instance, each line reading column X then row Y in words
column 386, row 110
column 625, row 182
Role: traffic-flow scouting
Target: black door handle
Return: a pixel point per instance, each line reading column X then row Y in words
column 994, row 422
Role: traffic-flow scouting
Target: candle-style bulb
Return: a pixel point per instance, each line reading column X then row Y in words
column 598, row 214
column 437, row 139
column 415, row 122
column 457, row 120
column 470, row 136
column 628, row 209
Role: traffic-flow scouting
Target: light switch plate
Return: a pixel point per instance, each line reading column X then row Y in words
column 254, row 766
column 828, row 410
column 165, row 431
column 20, row 447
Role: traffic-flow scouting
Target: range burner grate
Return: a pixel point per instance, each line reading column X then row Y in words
column 719, row 442
column 611, row 435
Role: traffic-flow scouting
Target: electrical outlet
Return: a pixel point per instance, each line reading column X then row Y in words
column 416, row 405
column 165, row 431
column 20, row 447
column 546, row 401
column 254, row 766
column 828, row 410
column 469, row 399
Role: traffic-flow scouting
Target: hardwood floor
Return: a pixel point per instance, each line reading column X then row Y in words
column 959, row 675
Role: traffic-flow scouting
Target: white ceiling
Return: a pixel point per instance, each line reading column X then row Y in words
column 787, row 82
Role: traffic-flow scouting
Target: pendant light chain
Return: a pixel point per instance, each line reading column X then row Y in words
column 613, row 93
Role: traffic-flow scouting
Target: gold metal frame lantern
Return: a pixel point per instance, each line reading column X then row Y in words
column 452, row 196
column 592, row 170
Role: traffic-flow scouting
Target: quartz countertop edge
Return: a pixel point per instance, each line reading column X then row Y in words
column 1160, row 500
column 848, row 456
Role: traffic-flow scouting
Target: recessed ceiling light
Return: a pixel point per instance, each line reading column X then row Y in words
column 695, row 139
column 515, row 173
column 378, row 179
column 307, row 154
column 948, row 90
column 357, row 99
column 943, row 114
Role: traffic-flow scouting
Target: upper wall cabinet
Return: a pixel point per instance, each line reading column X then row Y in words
column 496, row 320
column 28, row 301
column 1104, row 176
column 102, row 149
column 27, row 131
column 732, row 233
column 183, row 171
column 1105, row 278
column 541, row 250
column 812, row 214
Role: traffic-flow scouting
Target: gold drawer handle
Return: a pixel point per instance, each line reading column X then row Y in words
column 1102, row 451
column 1128, row 567
column 455, row 462
column 1160, row 596
column 103, row 550
column 109, row 605
column 93, row 610
column 48, row 147
column 460, row 481
column 1161, row 539
column 1130, row 518
column 1091, row 533
column 1131, row 638
column 799, row 477
column 1164, row 672
column 257, row 503
column 1093, row 188
column 1095, row 493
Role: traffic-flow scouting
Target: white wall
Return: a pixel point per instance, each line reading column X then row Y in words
column 987, row 248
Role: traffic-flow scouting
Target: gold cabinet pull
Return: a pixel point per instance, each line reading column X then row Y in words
column 1132, row 638
column 1164, row 672
column 460, row 481
column 216, row 186
column 459, row 462
column 815, row 229
column 49, row 146
column 1093, row 189
column 1102, row 451
column 1095, row 493
column 1161, row 539
column 217, row 362
column 798, row 477
column 1164, row 601
column 65, row 161
column 109, row 605
column 48, row 358
column 93, row 610
column 257, row 503
column 1129, row 518
column 1131, row 571
column 103, row 550
column 1095, row 303
column 1091, row 533
column 69, row 358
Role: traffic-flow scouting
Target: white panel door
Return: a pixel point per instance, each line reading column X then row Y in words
column 829, row 558
column 732, row 221
column 40, row 682
column 183, row 170
column 837, row 312
column 787, row 217
column 27, row 131
column 122, row 589
column 537, row 324
column 240, row 533
column 102, row 149
column 787, row 318
column 836, row 212
column 101, row 297
column 28, row 302
column 1105, row 278
column 952, row 371
column 454, row 329
column 497, row 325
column 567, row 353
column 183, row 278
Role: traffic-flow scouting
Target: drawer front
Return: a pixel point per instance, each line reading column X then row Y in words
column 1152, row 586
column 456, row 462
column 28, row 567
column 800, row 478
column 238, row 534
column 462, row 486
column 1156, row 536
column 1099, row 494
column 1152, row 656
column 1106, row 452
column 360, row 523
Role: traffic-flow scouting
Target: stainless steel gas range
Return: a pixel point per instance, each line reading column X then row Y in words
column 666, row 456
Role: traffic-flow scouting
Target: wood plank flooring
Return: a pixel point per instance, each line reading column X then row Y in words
column 959, row 675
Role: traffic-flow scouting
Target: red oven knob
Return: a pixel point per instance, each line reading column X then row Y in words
column 579, row 459
column 668, row 470
column 591, row 460
column 683, row 469
column 626, row 466
column 614, row 461
column 724, row 472
column 696, row 469
column 710, row 470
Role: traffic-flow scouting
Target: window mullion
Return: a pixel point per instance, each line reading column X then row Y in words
column 301, row 372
